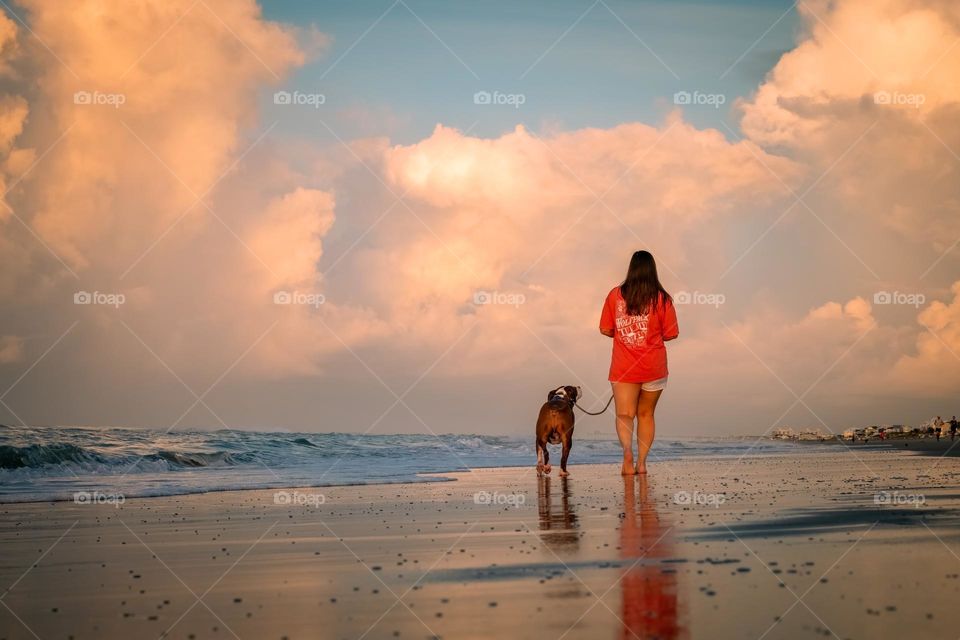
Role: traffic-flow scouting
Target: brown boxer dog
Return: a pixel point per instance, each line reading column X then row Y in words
column 555, row 426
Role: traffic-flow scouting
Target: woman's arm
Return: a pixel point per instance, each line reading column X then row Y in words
column 669, row 326
column 607, row 326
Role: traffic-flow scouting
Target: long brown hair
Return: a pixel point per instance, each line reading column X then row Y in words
column 642, row 289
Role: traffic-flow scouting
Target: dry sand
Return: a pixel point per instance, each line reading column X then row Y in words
column 772, row 547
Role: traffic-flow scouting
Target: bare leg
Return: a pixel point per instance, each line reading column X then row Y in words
column 645, row 425
column 626, row 396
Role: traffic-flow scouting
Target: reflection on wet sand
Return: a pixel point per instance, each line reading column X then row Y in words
column 558, row 522
column 650, row 604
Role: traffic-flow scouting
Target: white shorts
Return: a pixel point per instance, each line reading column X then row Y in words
column 655, row 385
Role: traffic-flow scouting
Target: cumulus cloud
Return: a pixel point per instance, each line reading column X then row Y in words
column 869, row 100
column 520, row 214
column 839, row 350
column 875, row 79
column 932, row 366
column 147, row 122
column 771, row 345
column 138, row 132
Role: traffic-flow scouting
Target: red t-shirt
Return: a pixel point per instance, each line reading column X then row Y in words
column 639, row 354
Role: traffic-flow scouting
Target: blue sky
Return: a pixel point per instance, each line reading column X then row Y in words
column 408, row 80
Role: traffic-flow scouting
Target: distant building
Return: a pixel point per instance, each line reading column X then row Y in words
column 849, row 433
column 809, row 433
column 813, row 434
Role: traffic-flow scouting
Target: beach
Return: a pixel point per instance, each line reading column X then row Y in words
column 302, row 300
column 840, row 544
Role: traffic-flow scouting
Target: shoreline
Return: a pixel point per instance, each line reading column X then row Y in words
column 919, row 446
column 436, row 477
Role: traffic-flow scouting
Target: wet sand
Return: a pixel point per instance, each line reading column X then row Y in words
column 839, row 543
column 945, row 446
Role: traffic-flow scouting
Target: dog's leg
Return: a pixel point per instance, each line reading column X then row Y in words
column 567, row 445
column 540, row 449
column 546, row 457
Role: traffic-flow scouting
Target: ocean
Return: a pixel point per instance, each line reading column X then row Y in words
column 56, row 463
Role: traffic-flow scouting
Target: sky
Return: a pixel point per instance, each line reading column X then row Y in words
column 404, row 216
column 620, row 62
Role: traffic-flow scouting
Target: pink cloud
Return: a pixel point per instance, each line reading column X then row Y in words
column 869, row 98
column 518, row 214
column 934, row 366
column 145, row 116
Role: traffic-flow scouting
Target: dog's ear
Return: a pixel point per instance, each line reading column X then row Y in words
column 550, row 394
column 573, row 392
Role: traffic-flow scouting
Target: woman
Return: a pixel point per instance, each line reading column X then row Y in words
column 640, row 317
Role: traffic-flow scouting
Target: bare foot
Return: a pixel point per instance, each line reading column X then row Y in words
column 547, row 468
column 641, row 468
column 564, row 474
column 627, row 469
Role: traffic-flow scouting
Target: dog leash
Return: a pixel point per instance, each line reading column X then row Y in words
column 598, row 412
